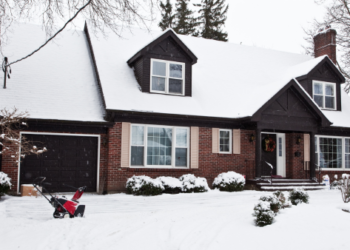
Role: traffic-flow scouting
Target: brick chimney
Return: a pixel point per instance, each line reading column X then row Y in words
column 325, row 43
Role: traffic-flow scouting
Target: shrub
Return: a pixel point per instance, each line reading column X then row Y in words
column 5, row 184
column 193, row 184
column 298, row 196
column 144, row 185
column 264, row 215
column 230, row 181
column 282, row 199
column 274, row 202
column 171, row 185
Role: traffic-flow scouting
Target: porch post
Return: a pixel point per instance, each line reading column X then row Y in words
column 258, row 153
column 312, row 155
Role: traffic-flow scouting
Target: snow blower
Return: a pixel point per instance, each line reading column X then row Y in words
column 64, row 208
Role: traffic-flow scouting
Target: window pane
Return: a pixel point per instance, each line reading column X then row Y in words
column 318, row 89
column 158, row 83
column 319, row 100
column 137, row 136
column 279, row 146
column 329, row 102
column 225, row 140
column 137, row 156
column 181, row 157
column 159, row 142
column 330, row 152
column 159, row 68
column 330, row 90
column 347, row 146
column 176, row 70
column 181, row 137
column 175, row 86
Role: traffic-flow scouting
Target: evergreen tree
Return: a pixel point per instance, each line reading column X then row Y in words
column 212, row 16
column 185, row 22
column 167, row 15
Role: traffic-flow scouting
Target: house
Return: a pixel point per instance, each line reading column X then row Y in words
column 162, row 104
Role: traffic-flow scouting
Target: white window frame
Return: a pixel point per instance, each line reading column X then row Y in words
column 172, row 166
column 230, row 142
column 324, row 93
column 317, row 150
column 167, row 76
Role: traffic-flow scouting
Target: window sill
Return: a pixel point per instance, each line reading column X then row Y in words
column 334, row 169
column 147, row 167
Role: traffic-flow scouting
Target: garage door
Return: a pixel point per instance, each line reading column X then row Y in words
column 70, row 159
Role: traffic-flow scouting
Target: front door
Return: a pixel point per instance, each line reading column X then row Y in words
column 273, row 151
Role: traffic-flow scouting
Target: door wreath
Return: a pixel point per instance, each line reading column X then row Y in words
column 269, row 144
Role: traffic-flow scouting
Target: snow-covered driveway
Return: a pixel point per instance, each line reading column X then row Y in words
column 213, row 220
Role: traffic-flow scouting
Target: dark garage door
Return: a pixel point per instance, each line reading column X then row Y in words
column 70, row 159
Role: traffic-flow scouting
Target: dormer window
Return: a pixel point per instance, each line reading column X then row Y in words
column 167, row 77
column 324, row 94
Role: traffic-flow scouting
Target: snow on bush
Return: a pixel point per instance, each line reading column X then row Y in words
column 144, row 185
column 193, row 184
column 264, row 215
column 230, row 181
column 170, row 184
column 5, row 184
column 275, row 204
column 298, row 196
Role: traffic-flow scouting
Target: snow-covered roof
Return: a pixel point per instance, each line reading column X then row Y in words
column 57, row 83
column 228, row 81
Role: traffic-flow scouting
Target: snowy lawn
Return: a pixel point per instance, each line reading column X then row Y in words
column 213, row 220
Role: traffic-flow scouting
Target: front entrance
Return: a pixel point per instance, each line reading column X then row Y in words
column 273, row 151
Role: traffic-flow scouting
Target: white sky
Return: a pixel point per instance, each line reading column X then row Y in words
column 272, row 24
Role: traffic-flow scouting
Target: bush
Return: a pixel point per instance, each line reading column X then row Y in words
column 230, row 181
column 298, row 196
column 5, row 184
column 264, row 215
column 171, row 185
column 144, row 185
column 275, row 204
column 193, row 184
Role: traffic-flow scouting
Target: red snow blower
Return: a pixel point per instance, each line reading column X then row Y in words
column 64, row 208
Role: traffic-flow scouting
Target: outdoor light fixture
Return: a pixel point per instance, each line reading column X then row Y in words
column 298, row 140
column 104, row 141
column 251, row 138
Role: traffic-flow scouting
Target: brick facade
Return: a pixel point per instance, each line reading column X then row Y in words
column 113, row 177
column 325, row 44
column 210, row 165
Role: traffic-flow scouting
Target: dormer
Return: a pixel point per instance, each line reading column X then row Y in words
column 164, row 66
column 323, row 84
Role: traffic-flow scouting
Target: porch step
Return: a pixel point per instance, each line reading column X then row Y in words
column 285, row 184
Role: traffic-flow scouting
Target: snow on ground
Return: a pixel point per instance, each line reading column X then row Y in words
column 213, row 220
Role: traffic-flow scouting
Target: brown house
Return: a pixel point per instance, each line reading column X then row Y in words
column 161, row 104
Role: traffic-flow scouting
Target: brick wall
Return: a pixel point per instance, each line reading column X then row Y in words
column 210, row 165
column 295, row 165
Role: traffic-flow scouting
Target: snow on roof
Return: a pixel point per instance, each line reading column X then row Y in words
column 228, row 81
column 340, row 118
column 58, row 82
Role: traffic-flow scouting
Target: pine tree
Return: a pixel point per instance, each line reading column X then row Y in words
column 185, row 22
column 167, row 15
column 212, row 16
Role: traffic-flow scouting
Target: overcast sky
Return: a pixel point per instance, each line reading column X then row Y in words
column 273, row 24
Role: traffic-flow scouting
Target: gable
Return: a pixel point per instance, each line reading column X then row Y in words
column 290, row 109
column 327, row 72
column 168, row 48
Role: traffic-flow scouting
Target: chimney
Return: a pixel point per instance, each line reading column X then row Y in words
column 325, row 43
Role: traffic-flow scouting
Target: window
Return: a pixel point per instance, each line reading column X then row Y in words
column 324, row 94
column 225, row 141
column 332, row 152
column 167, row 77
column 159, row 146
